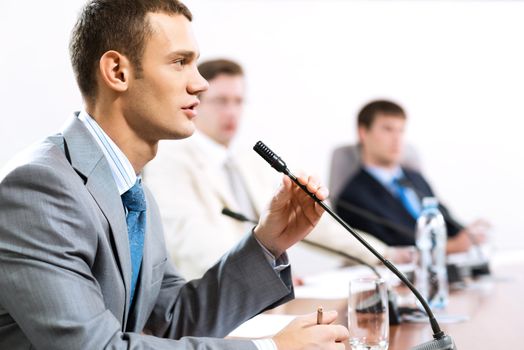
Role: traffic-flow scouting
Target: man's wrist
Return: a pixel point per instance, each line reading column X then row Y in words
column 266, row 245
column 278, row 264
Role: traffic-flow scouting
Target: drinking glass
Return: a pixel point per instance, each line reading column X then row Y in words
column 368, row 317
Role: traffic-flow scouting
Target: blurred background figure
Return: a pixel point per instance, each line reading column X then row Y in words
column 203, row 174
column 378, row 187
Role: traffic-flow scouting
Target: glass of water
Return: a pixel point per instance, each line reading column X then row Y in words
column 368, row 316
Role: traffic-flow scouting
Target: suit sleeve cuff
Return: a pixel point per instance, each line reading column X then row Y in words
column 277, row 264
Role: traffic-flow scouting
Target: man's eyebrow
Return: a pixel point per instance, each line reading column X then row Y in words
column 187, row 54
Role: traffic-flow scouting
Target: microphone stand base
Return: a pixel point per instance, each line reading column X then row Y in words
column 444, row 343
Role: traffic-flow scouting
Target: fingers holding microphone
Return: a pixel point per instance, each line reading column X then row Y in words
column 311, row 208
column 291, row 214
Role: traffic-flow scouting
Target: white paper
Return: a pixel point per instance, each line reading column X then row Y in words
column 262, row 326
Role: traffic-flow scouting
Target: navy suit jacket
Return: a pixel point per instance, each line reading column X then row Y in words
column 368, row 206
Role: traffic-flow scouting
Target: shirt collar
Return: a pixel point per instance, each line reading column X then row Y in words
column 385, row 176
column 121, row 168
column 218, row 154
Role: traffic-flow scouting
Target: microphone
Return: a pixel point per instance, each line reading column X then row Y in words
column 441, row 341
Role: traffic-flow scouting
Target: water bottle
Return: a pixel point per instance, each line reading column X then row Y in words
column 431, row 276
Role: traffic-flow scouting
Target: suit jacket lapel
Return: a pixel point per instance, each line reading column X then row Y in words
column 89, row 161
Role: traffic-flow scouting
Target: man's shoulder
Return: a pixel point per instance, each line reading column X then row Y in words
column 175, row 159
column 361, row 177
column 356, row 186
column 40, row 171
column 413, row 175
column 180, row 151
column 362, row 187
column 45, row 154
column 411, row 171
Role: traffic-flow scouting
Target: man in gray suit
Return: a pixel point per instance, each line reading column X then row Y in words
column 83, row 263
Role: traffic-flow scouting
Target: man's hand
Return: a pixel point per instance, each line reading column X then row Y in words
column 402, row 254
column 479, row 230
column 475, row 233
column 291, row 215
column 459, row 243
column 304, row 333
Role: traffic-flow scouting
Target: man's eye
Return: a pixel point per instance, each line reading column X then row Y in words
column 180, row 62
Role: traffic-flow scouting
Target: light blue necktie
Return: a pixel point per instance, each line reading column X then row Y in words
column 135, row 203
column 408, row 198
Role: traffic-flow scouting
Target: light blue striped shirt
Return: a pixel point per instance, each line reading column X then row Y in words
column 125, row 178
column 121, row 168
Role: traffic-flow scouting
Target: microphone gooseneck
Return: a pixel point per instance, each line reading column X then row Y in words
column 444, row 341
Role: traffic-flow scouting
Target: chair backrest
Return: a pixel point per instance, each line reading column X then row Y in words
column 346, row 161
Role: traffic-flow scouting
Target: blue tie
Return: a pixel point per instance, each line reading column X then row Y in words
column 135, row 203
column 408, row 198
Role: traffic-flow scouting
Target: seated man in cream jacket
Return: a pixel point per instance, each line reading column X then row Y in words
column 202, row 175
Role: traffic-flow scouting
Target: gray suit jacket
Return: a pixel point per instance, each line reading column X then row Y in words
column 65, row 267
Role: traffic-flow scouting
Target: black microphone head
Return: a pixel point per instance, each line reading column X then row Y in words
column 270, row 157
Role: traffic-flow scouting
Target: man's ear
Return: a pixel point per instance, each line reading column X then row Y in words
column 362, row 132
column 115, row 71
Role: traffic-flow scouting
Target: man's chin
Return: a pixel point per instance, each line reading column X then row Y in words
column 388, row 163
column 188, row 133
column 395, row 158
column 180, row 134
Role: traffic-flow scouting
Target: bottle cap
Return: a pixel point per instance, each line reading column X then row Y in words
column 430, row 202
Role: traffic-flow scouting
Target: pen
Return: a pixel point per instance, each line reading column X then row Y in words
column 320, row 313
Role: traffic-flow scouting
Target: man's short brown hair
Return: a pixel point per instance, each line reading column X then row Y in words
column 213, row 68
column 119, row 25
column 369, row 112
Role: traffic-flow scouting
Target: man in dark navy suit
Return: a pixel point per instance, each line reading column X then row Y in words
column 384, row 198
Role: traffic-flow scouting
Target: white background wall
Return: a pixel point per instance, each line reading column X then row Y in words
column 457, row 67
